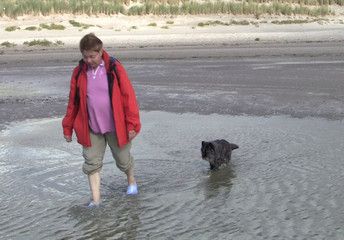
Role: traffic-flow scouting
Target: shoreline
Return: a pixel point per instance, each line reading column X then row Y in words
column 71, row 55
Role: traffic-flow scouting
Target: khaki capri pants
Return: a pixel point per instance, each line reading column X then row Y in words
column 94, row 155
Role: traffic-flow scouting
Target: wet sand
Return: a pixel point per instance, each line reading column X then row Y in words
column 281, row 102
column 247, row 77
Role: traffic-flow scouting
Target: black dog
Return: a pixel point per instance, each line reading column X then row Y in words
column 217, row 152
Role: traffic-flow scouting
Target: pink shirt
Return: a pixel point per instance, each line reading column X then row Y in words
column 100, row 114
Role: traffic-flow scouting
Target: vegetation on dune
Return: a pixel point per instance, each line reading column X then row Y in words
column 81, row 25
column 15, row 8
column 32, row 28
column 12, row 28
column 52, row 26
column 153, row 24
column 297, row 21
column 43, row 43
column 233, row 22
column 7, row 44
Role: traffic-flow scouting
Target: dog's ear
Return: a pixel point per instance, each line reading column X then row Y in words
column 204, row 143
column 234, row 146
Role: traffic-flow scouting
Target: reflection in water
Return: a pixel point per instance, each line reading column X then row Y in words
column 219, row 181
column 284, row 182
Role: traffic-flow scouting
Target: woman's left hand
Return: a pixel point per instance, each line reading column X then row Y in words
column 131, row 135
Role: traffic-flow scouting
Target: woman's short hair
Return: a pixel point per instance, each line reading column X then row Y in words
column 90, row 42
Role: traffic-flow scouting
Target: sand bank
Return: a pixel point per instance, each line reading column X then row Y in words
column 156, row 31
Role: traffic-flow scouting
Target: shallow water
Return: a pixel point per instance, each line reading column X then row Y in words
column 283, row 106
column 284, row 182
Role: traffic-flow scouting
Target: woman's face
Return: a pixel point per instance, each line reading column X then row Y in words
column 92, row 58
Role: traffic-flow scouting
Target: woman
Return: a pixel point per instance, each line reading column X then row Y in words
column 102, row 110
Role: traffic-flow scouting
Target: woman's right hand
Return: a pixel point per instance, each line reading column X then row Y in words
column 68, row 138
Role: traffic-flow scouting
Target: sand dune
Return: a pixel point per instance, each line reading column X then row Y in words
column 128, row 31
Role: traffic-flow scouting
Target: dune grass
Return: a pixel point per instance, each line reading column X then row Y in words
column 42, row 43
column 52, row 26
column 32, row 28
column 11, row 28
column 15, row 8
column 80, row 25
column 215, row 23
column 7, row 44
column 153, row 24
column 297, row 21
column 212, row 23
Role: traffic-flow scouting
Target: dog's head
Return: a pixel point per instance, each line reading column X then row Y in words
column 208, row 151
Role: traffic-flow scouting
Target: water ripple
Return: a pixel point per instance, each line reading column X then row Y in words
column 285, row 181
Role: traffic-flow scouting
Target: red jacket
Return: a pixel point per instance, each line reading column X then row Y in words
column 125, row 108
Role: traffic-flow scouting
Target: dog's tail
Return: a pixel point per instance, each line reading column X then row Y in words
column 234, row 146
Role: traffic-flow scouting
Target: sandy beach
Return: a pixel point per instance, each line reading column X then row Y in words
column 156, row 31
column 126, row 34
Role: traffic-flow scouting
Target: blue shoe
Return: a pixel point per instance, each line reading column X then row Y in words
column 92, row 204
column 132, row 190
